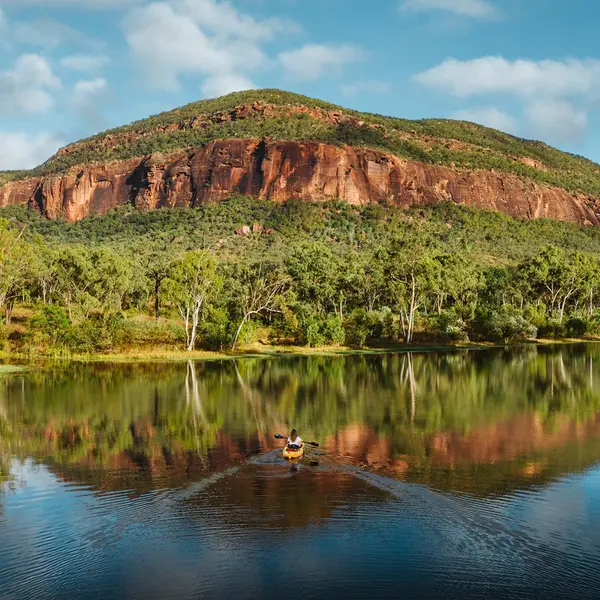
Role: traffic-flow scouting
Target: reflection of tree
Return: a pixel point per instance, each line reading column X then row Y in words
column 409, row 411
column 192, row 395
column 408, row 375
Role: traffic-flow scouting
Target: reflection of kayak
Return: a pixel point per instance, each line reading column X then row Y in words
column 293, row 452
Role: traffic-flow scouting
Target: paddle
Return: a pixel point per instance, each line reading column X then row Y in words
column 282, row 437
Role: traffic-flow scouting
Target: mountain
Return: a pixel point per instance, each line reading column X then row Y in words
column 278, row 145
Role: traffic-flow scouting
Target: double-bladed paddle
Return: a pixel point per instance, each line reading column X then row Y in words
column 282, row 437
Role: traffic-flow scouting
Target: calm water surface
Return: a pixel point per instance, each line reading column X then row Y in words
column 456, row 475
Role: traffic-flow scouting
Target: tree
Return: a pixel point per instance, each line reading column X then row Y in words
column 412, row 274
column 259, row 289
column 192, row 283
column 114, row 277
column 76, row 275
column 157, row 258
column 458, row 282
column 322, row 278
column 16, row 264
column 554, row 276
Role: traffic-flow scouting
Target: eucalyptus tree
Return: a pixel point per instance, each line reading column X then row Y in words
column 192, row 284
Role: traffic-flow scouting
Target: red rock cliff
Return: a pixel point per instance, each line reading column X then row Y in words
column 283, row 170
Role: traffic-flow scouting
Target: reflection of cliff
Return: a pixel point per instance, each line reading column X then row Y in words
column 506, row 440
column 152, row 466
column 520, row 435
column 521, row 448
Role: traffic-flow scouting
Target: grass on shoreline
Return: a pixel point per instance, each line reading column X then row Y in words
column 265, row 351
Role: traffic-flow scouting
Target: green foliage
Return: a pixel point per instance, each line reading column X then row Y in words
column 98, row 333
column 192, row 285
column 327, row 273
column 503, row 325
column 217, row 329
column 451, row 326
column 577, row 327
column 50, row 325
column 150, row 333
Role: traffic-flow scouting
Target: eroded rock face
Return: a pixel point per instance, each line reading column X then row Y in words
column 283, row 170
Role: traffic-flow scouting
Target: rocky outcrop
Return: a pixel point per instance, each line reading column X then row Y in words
column 284, row 170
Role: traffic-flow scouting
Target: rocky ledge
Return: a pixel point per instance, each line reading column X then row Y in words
column 283, row 170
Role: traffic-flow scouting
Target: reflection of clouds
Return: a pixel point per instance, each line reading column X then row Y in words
column 560, row 515
column 58, row 538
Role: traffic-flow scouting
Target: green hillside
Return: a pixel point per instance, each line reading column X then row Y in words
column 279, row 115
column 300, row 273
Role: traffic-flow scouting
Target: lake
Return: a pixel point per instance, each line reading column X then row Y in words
column 466, row 474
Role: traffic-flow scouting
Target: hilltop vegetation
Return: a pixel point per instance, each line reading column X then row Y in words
column 301, row 273
column 278, row 115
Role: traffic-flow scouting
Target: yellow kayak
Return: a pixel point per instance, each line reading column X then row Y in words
column 292, row 452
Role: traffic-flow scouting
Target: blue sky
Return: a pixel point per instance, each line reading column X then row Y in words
column 530, row 67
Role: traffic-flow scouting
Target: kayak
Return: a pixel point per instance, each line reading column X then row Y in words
column 292, row 452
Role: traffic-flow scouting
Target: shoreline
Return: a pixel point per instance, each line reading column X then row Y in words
column 265, row 351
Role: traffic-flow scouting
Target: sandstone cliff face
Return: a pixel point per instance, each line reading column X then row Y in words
column 283, row 170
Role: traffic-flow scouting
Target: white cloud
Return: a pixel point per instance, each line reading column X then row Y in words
column 46, row 33
column 495, row 74
column 20, row 151
column 83, row 62
column 478, row 9
column 312, row 61
column 205, row 38
column 113, row 4
column 2, row 19
column 489, row 116
column 88, row 96
column 555, row 95
column 556, row 120
column 219, row 85
column 369, row 87
column 224, row 19
column 26, row 88
column 86, row 91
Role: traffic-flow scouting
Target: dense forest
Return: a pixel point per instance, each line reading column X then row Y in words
column 228, row 275
column 284, row 116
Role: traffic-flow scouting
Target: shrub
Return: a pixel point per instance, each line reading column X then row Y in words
column 50, row 326
column 151, row 332
column 99, row 332
column 217, row 329
column 451, row 327
column 577, row 327
column 362, row 326
column 505, row 325
column 311, row 327
column 552, row 328
column 333, row 330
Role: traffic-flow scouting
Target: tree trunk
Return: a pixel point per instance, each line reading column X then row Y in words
column 411, row 317
column 156, row 299
column 237, row 333
column 192, row 340
column 185, row 314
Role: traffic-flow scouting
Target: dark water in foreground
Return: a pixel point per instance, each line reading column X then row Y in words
column 458, row 475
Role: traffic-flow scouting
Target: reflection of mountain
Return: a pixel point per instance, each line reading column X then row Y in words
column 431, row 417
column 151, row 466
column 520, row 451
column 521, row 435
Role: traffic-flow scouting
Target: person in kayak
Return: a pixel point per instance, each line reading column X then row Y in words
column 294, row 441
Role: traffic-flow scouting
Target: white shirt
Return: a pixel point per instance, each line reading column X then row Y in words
column 296, row 442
